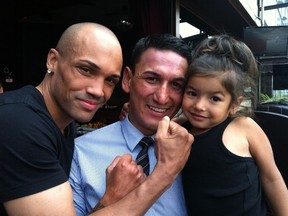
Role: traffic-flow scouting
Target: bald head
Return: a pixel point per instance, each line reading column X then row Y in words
column 85, row 66
column 79, row 33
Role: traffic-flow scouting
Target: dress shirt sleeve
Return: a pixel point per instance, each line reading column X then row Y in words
column 75, row 182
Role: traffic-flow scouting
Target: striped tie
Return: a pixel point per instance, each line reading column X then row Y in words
column 143, row 158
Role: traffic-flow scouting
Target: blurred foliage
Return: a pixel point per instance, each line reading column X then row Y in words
column 264, row 98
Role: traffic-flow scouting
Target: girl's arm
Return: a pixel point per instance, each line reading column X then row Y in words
column 271, row 179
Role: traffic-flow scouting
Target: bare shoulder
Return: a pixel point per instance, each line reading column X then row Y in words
column 242, row 135
column 243, row 121
column 246, row 125
column 256, row 137
column 248, row 128
column 234, row 137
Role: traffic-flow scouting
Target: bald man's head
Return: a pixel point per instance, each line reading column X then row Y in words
column 78, row 33
column 85, row 66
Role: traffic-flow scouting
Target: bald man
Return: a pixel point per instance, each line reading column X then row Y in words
column 37, row 132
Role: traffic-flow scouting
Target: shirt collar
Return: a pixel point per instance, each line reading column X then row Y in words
column 131, row 134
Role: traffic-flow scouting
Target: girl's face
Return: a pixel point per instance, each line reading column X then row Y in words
column 206, row 103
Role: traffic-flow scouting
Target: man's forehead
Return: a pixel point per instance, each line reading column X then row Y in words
column 163, row 75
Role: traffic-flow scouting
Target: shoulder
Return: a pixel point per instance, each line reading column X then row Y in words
column 25, row 94
column 106, row 133
column 245, row 123
column 245, row 126
column 24, row 119
column 24, row 104
column 252, row 132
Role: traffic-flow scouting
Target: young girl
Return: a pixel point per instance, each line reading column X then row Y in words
column 231, row 158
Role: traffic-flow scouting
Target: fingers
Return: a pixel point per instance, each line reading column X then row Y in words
column 123, row 114
column 175, row 128
column 164, row 125
column 133, row 168
column 121, row 178
column 168, row 128
column 113, row 164
column 124, row 111
column 120, row 160
column 136, row 170
column 126, row 106
column 125, row 163
column 172, row 146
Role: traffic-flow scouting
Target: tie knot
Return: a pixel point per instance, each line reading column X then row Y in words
column 146, row 142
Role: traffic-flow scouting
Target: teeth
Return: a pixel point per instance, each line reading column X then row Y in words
column 157, row 109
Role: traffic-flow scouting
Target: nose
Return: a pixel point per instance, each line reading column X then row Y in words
column 162, row 94
column 200, row 104
column 96, row 88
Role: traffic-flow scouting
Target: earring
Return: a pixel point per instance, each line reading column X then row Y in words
column 49, row 71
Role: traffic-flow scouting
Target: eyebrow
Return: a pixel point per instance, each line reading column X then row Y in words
column 92, row 64
column 116, row 76
column 210, row 92
column 95, row 66
column 181, row 79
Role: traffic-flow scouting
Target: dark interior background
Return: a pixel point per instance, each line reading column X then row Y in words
column 30, row 28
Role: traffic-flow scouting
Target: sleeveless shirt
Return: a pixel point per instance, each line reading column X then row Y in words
column 218, row 182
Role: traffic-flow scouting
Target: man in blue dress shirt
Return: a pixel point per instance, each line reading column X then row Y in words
column 155, row 80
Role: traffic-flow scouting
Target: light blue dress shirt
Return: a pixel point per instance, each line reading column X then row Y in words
column 95, row 151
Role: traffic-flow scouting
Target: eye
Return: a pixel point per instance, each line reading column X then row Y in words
column 191, row 93
column 112, row 81
column 151, row 80
column 215, row 99
column 84, row 70
column 178, row 85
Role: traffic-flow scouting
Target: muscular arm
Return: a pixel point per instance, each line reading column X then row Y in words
column 54, row 201
column 172, row 148
column 59, row 200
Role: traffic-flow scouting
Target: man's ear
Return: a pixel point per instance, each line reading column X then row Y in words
column 234, row 107
column 127, row 76
column 52, row 59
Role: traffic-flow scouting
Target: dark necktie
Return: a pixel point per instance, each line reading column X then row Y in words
column 142, row 158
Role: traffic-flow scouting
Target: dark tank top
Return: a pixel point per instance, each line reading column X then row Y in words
column 218, row 182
